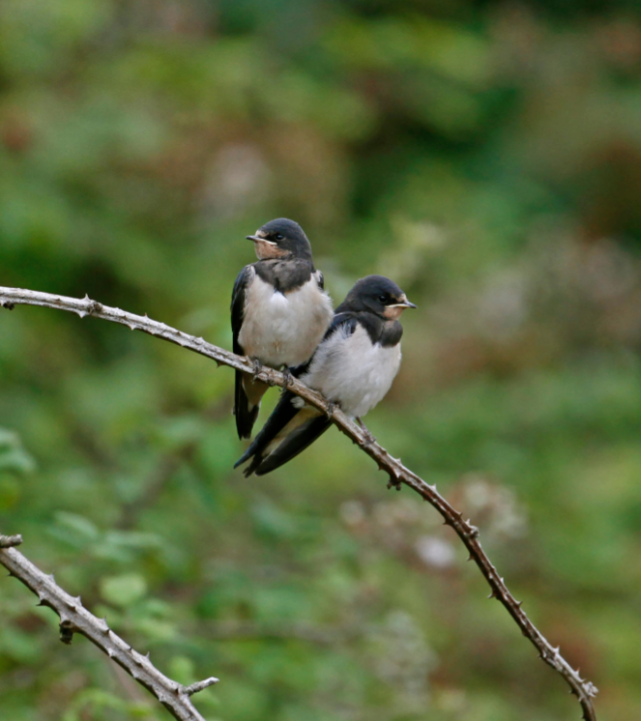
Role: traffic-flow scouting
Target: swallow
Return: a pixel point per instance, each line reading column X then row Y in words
column 353, row 367
column 279, row 311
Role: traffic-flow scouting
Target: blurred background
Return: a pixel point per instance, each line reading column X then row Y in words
column 484, row 155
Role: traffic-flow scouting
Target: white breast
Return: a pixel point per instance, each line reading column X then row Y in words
column 284, row 329
column 350, row 370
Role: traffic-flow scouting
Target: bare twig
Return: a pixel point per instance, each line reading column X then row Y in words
column 74, row 618
column 398, row 473
column 10, row 541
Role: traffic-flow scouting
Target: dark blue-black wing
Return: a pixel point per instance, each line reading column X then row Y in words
column 245, row 412
column 284, row 412
column 294, row 443
column 298, row 435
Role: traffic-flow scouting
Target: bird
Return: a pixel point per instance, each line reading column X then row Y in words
column 279, row 311
column 353, row 367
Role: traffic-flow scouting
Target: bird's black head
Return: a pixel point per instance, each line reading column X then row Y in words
column 281, row 238
column 376, row 294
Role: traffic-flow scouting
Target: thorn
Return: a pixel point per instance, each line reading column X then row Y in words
column 81, row 313
column 51, row 578
column 492, row 595
column 110, row 652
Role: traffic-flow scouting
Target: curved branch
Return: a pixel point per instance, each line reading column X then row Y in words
column 74, row 618
column 398, row 473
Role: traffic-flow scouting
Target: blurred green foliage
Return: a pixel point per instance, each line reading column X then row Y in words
column 487, row 157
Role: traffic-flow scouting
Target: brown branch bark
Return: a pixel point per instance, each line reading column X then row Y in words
column 398, row 473
column 74, row 618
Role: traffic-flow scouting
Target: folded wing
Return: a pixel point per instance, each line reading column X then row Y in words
column 245, row 411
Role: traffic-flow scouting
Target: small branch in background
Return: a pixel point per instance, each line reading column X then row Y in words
column 74, row 618
column 398, row 473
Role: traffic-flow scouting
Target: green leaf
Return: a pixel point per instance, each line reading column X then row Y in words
column 123, row 590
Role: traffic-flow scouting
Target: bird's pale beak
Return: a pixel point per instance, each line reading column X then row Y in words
column 403, row 303
column 258, row 239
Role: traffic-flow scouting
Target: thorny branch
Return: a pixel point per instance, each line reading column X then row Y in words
column 74, row 618
column 398, row 473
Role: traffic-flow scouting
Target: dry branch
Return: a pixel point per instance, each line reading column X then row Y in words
column 398, row 473
column 74, row 618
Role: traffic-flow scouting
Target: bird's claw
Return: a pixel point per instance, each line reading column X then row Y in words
column 257, row 368
column 288, row 376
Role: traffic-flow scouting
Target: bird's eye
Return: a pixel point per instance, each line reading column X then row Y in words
column 279, row 236
column 382, row 298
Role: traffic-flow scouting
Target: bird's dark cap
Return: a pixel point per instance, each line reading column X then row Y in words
column 376, row 294
column 286, row 236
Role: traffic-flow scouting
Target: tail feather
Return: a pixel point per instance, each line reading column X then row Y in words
column 281, row 416
column 295, row 442
column 245, row 411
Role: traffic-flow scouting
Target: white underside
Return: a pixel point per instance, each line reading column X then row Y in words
column 284, row 329
column 349, row 370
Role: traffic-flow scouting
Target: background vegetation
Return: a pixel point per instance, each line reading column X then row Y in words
column 487, row 157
